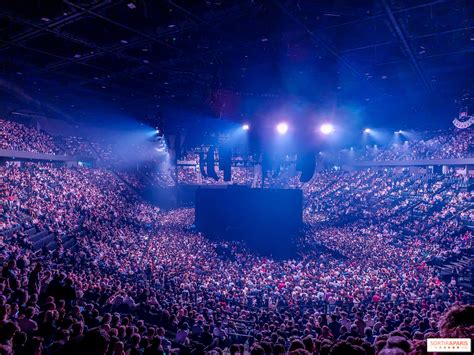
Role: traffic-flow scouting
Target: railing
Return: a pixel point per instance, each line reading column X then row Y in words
column 21, row 155
column 401, row 163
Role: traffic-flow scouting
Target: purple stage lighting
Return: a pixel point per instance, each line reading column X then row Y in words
column 326, row 128
column 282, row 128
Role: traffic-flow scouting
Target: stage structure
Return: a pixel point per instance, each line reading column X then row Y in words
column 267, row 220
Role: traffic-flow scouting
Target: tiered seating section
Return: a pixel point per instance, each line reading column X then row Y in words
column 89, row 267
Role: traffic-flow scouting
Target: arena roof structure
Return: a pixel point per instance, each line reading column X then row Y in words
column 140, row 55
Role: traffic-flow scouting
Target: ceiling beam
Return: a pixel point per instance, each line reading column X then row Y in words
column 121, row 25
column 318, row 39
column 51, row 55
column 386, row 43
column 231, row 14
column 444, row 54
column 68, row 37
column 368, row 46
column 216, row 21
column 112, row 49
column 63, row 20
column 434, row 34
column 189, row 14
column 382, row 14
column 405, row 45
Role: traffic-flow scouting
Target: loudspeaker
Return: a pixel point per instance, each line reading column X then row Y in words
column 201, row 165
column 211, row 172
column 306, row 163
column 225, row 161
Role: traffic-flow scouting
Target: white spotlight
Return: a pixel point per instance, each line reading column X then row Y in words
column 326, row 128
column 367, row 130
column 282, row 127
column 245, row 127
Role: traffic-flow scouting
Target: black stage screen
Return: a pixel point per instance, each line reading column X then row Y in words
column 266, row 219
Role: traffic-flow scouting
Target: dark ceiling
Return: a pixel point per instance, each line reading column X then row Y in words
column 389, row 58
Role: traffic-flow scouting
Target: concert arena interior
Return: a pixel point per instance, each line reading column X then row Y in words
column 236, row 177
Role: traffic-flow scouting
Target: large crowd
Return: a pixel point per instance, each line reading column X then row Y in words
column 16, row 136
column 91, row 268
column 436, row 145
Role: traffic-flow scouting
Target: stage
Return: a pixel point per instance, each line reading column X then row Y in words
column 267, row 220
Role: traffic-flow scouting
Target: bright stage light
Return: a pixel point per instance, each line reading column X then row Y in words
column 367, row 130
column 245, row 127
column 282, row 128
column 326, row 128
